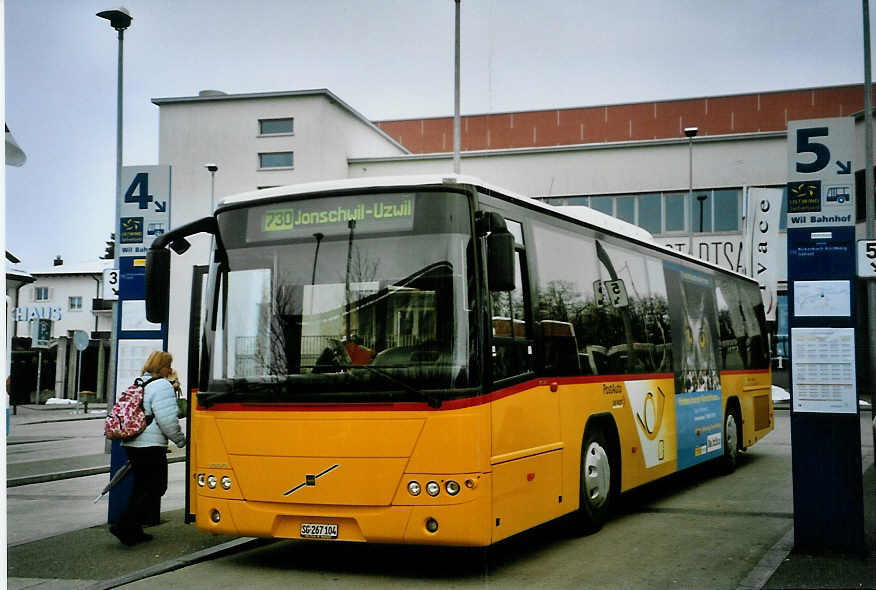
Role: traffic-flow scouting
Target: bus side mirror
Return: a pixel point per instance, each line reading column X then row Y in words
column 157, row 285
column 500, row 260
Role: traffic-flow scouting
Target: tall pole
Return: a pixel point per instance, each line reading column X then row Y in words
column 690, row 188
column 868, row 127
column 119, row 84
column 39, row 374
column 120, row 19
column 457, row 132
column 869, row 193
column 115, row 334
column 690, row 132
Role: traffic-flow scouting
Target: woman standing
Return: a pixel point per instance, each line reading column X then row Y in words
column 147, row 451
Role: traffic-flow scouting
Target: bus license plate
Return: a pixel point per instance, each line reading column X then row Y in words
column 319, row 531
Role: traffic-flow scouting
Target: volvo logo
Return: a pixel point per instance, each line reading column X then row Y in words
column 310, row 480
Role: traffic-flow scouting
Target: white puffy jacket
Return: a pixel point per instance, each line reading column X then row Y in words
column 159, row 401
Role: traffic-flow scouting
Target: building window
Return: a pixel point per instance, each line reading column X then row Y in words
column 603, row 204
column 675, row 212
column 626, row 209
column 41, row 293
column 276, row 160
column 665, row 213
column 75, row 304
column 277, row 126
column 726, row 210
column 783, row 212
column 783, row 350
column 650, row 216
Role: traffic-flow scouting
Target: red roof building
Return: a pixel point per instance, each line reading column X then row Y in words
column 713, row 115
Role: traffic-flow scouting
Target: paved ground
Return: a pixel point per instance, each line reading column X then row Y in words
column 57, row 538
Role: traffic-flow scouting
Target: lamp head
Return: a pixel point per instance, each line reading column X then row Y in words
column 211, row 167
column 691, row 131
column 119, row 18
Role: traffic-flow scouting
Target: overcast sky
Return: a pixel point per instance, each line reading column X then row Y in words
column 388, row 59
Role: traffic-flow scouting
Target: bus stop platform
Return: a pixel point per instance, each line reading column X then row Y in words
column 90, row 557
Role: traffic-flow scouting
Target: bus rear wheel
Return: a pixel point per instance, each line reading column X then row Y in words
column 731, row 440
column 596, row 481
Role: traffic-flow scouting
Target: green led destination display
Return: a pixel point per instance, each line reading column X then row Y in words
column 331, row 216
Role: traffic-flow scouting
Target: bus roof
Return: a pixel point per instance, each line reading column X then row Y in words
column 591, row 217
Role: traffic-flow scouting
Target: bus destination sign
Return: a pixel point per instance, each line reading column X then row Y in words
column 332, row 216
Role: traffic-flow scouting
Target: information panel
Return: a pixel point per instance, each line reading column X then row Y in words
column 824, row 370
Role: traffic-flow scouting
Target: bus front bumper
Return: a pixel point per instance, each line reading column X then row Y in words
column 464, row 524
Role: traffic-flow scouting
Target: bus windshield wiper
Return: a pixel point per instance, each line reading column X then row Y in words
column 433, row 402
column 238, row 387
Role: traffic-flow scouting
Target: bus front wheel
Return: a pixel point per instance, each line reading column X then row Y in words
column 596, row 481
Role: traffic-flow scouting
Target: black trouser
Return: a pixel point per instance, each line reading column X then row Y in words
column 149, row 469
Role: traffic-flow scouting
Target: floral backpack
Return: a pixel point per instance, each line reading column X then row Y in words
column 127, row 418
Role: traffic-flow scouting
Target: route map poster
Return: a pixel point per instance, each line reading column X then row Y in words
column 822, row 298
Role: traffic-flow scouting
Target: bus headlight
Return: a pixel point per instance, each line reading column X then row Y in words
column 201, row 480
column 211, row 481
column 414, row 488
column 433, row 489
column 226, row 482
column 452, row 487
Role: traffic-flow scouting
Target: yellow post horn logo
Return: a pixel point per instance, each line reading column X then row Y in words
column 651, row 415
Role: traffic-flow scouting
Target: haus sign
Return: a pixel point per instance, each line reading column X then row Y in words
column 28, row 313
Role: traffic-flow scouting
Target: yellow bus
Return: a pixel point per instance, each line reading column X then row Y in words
column 434, row 360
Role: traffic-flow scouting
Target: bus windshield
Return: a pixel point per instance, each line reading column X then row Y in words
column 336, row 299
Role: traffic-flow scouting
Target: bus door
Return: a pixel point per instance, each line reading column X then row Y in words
column 526, row 447
column 205, row 296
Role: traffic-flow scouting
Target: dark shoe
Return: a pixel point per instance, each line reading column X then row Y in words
column 129, row 537
column 122, row 535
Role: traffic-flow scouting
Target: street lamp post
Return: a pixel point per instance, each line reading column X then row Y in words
column 690, row 132
column 457, row 130
column 120, row 19
column 213, row 168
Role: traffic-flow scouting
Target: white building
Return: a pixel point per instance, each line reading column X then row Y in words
column 61, row 300
column 631, row 161
column 257, row 141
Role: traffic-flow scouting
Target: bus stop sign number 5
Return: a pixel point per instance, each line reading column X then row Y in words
column 867, row 259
